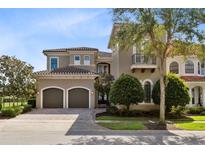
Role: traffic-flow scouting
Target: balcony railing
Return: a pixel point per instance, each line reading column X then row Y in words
column 143, row 59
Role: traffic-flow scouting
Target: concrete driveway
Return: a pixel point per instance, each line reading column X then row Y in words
column 46, row 126
column 77, row 126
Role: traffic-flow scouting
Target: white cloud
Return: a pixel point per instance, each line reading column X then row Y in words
column 70, row 23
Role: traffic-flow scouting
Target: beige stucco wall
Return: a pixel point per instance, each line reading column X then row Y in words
column 82, row 58
column 114, row 69
column 63, row 61
column 67, row 59
column 65, row 84
column 181, row 62
column 122, row 62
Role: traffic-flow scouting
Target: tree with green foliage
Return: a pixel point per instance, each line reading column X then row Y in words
column 103, row 83
column 17, row 78
column 176, row 92
column 126, row 90
column 161, row 32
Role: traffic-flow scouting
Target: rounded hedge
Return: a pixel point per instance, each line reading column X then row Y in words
column 8, row 112
column 126, row 90
column 176, row 92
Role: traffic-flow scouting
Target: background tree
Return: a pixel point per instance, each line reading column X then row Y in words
column 103, row 83
column 126, row 90
column 17, row 78
column 176, row 92
column 162, row 32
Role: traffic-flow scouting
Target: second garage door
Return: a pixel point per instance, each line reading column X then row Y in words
column 78, row 98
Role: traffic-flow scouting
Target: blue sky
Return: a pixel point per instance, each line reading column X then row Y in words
column 24, row 33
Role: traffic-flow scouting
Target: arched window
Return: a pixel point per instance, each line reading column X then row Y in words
column 174, row 67
column 147, row 92
column 189, row 67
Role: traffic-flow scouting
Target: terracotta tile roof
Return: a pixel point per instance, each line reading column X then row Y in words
column 193, row 78
column 71, row 49
column 68, row 70
column 104, row 54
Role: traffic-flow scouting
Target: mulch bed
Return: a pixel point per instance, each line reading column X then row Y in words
column 3, row 117
column 157, row 126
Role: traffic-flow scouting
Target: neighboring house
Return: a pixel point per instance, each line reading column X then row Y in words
column 68, row 81
column 145, row 68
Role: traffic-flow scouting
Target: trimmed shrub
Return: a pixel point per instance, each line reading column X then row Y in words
column 176, row 92
column 177, row 112
column 18, row 109
column 0, row 106
column 195, row 110
column 126, row 90
column 131, row 113
column 202, row 113
column 32, row 102
column 27, row 108
column 112, row 110
column 8, row 112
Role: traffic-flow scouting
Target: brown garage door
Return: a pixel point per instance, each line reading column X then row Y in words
column 78, row 98
column 53, row 98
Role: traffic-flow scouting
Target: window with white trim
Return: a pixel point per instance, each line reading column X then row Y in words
column 174, row 67
column 87, row 60
column 53, row 63
column 76, row 59
column 189, row 67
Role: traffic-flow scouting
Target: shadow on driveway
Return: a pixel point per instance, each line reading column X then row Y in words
column 137, row 140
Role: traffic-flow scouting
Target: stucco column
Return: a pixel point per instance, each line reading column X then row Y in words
column 190, row 94
column 203, row 96
column 65, row 106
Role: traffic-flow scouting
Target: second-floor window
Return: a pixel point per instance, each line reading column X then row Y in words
column 54, row 63
column 76, row 59
column 86, row 60
column 174, row 67
column 189, row 67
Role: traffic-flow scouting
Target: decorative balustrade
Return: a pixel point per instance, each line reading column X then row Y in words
column 143, row 59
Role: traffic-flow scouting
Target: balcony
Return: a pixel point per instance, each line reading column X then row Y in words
column 143, row 61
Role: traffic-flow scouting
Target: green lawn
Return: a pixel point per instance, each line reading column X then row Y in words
column 136, row 123
column 124, row 125
column 197, row 118
column 121, row 123
column 195, row 123
column 190, row 125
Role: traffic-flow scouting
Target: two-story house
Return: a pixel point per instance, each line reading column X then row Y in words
column 68, row 80
column 145, row 67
